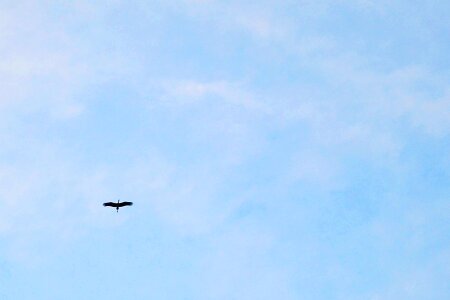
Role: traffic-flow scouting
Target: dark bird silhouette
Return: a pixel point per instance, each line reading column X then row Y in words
column 118, row 204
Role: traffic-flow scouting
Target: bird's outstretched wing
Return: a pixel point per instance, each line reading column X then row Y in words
column 112, row 204
column 125, row 203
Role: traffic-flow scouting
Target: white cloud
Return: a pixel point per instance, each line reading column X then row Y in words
column 225, row 126
column 45, row 64
column 253, row 18
column 192, row 91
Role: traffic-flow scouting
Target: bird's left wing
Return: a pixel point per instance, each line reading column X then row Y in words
column 109, row 204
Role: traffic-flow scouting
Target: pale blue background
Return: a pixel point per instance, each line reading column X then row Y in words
column 273, row 149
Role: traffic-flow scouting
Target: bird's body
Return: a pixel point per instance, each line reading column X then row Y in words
column 118, row 204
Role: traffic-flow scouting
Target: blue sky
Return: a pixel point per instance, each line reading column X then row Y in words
column 273, row 149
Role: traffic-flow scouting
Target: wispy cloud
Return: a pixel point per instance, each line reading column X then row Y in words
column 191, row 91
column 287, row 147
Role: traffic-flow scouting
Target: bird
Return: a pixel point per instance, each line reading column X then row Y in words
column 118, row 204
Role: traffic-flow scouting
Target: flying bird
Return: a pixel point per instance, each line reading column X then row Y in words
column 118, row 204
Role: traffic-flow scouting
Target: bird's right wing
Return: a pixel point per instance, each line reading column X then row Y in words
column 109, row 204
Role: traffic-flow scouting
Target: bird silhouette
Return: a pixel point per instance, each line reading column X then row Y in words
column 118, row 204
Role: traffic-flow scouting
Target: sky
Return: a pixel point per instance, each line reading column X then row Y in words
column 272, row 149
